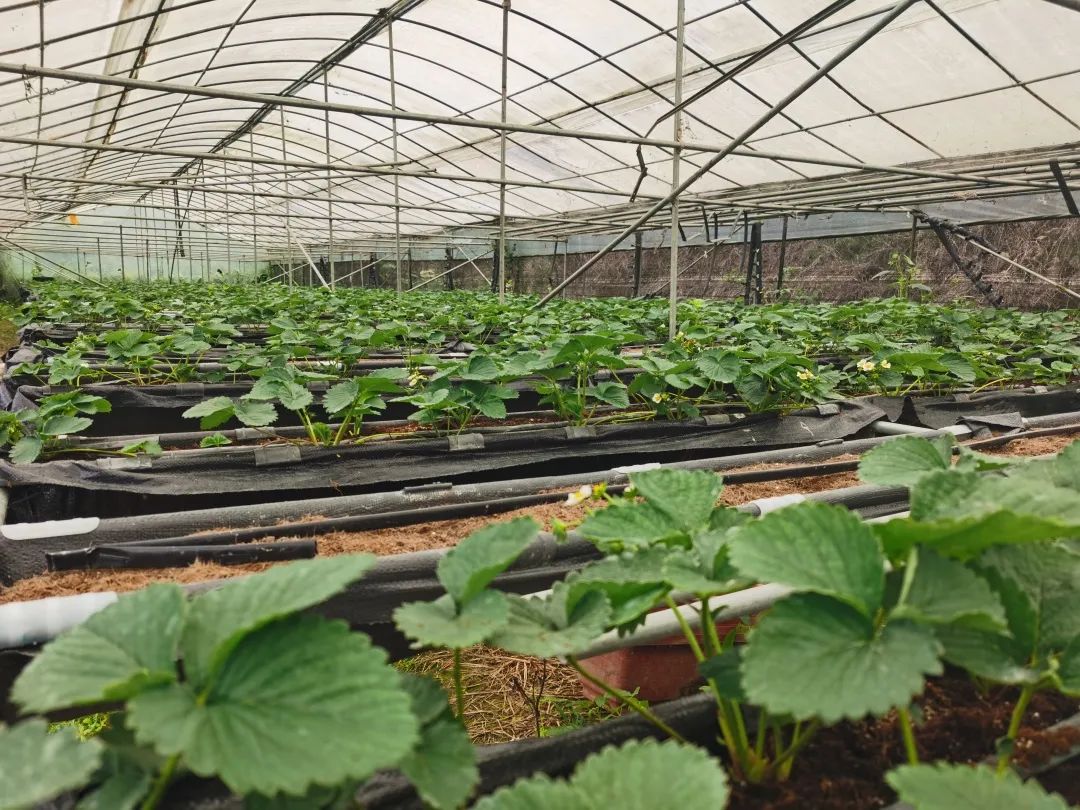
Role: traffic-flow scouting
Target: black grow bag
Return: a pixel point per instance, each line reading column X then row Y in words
column 226, row 476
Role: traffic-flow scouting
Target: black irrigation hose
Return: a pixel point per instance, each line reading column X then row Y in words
column 130, row 555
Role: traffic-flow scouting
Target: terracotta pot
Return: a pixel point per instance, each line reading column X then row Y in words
column 656, row 671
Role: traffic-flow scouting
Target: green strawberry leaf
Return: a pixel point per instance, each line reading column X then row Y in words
column 467, row 568
column 126, row 647
column 964, row 787
column 303, row 673
column 687, row 497
column 212, row 413
column 441, row 624
column 631, row 525
column 812, row 656
column 904, row 460
column 341, row 396
column 814, row 547
column 551, row 627
column 640, row 775
column 253, row 414
column 442, row 766
column 942, row 591
column 633, row 583
column 26, row 450
column 38, row 766
column 64, row 425
column 219, row 619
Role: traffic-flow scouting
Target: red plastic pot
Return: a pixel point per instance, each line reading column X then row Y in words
column 656, row 671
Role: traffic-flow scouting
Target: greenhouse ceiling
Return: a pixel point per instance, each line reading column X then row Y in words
column 305, row 125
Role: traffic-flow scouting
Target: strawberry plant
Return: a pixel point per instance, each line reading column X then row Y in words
column 198, row 679
column 34, row 432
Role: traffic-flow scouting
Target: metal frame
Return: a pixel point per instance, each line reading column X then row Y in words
column 137, row 140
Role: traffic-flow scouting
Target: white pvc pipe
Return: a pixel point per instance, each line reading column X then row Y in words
column 23, row 623
column 887, row 428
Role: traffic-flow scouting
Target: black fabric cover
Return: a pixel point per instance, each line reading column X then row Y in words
column 231, row 475
column 939, row 412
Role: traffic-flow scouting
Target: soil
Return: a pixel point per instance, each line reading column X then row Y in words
column 843, row 767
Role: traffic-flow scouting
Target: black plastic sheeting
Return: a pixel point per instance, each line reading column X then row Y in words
column 942, row 411
column 234, row 475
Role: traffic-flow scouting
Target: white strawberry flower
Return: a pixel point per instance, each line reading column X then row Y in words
column 581, row 494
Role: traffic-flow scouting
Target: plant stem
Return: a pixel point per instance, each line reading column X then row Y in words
column 629, row 700
column 688, row 631
column 908, row 733
column 459, row 688
column 799, row 740
column 1014, row 726
column 161, row 784
column 341, row 428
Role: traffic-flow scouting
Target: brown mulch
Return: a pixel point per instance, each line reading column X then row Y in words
column 843, row 767
column 1037, row 446
column 507, row 697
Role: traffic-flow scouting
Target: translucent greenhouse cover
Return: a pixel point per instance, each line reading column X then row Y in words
column 978, row 95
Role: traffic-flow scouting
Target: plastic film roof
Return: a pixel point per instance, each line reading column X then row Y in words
column 973, row 98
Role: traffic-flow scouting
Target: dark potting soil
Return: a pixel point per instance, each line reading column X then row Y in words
column 844, row 767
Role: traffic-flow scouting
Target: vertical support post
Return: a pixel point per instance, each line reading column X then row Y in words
column 288, row 209
column 676, row 159
column 502, row 152
column 637, row 264
column 228, row 216
column 394, row 143
column 565, row 261
column 756, row 265
column 450, row 268
column 408, row 259
column 100, row 273
column 206, row 233
column 554, row 264
column 783, row 256
column 123, row 267
column 329, row 184
column 914, row 235
column 254, row 218
column 744, row 258
column 147, row 248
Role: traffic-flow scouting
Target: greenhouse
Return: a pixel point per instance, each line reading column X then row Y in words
column 516, row 404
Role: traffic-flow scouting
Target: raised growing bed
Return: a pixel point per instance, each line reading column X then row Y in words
column 227, row 476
